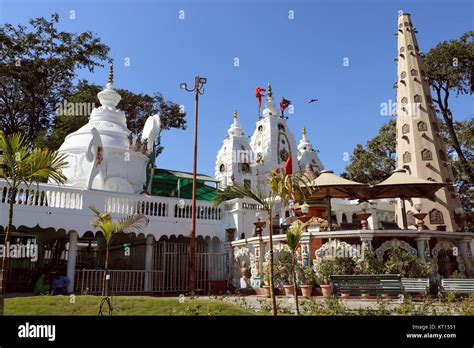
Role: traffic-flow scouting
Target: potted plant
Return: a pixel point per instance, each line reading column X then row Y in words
column 324, row 268
column 308, row 280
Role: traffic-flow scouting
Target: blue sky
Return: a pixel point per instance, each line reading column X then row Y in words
column 301, row 57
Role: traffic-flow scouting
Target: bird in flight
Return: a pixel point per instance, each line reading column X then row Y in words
column 313, row 100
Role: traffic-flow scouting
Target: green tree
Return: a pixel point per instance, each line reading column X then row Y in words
column 38, row 64
column 24, row 164
column 137, row 107
column 377, row 160
column 449, row 68
column 110, row 228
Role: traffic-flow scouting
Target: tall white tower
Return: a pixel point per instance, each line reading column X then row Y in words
column 234, row 159
column 420, row 147
column 307, row 156
column 272, row 142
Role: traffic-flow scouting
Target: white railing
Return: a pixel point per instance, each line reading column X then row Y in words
column 64, row 197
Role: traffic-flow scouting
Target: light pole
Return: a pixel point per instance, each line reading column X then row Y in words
column 199, row 83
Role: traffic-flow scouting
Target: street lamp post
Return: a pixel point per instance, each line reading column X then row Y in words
column 198, row 89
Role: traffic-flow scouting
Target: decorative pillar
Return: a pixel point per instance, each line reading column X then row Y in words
column 373, row 220
column 230, row 263
column 349, row 216
column 421, row 243
column 463, row 249
column 305, row 247
column 259, row 257
column 71, row 260
column 366, row 242
column 150, row 240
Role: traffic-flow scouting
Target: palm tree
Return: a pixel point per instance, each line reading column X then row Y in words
column 24, row 164
column 267, row 202
column 288, row 187
column 110, row 228
column 293, row 237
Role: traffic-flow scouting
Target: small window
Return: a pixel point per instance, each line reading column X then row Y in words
column 413, row 72
column 410, row 47
column 426, row 155
column 417, row 98
column 442, row 155
column 260, row 128
column 400, row 25
column 402, row 49
column 248, row 183
column 281, row 127
column 245, row 168
column 407, row 168
column 405, row 129
column 404, row 101
column 403, row 74
column 222, row 168
column 407, row 24
column 436, row 217
column 406, row 139
column 422, row 127
column 407, row 157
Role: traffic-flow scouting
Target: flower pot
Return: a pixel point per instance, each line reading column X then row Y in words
column 326, row 290
column 306, row 290
column 263, row 291
column 289, row 290
column 365, row 295
column 345, row 294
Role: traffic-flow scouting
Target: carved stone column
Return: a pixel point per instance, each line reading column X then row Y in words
column 422, row 243
column 463, row 250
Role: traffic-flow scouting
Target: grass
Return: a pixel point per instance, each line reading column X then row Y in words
column 122, row 305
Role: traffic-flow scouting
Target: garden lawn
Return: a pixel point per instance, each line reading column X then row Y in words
column 122, row 305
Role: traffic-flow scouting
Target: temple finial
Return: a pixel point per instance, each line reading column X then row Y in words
column 269, row 91
column 236, row 115
column 111, row 73
column 303, row 131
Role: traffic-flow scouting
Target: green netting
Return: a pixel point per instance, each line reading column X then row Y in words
column 169, row 183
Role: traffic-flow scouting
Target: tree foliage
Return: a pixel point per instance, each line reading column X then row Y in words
column 376, row 161
column 38, row 64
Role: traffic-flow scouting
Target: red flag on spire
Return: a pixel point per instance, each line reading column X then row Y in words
column 287, row 167
column 259, row 95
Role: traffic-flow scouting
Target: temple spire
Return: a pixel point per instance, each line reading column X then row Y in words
column 111, row 74
column 269, row 92
column 236, row 116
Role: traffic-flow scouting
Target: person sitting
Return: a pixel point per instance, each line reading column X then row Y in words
column 60, row 283
column 41, row 287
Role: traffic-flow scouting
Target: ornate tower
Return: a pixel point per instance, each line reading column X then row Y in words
column 307, row 155
column 272, row 142
column 234, row 159
column 420, row 147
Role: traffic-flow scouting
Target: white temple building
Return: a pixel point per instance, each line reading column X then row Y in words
column 114, row 171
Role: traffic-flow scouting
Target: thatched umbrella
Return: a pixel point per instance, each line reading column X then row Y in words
column 403, row 185
column 328, row 185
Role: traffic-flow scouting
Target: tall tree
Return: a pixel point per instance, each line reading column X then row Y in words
column 22, row 164
column 37, row 66
column 449, row 68
column 137, row 107
column 377, row 160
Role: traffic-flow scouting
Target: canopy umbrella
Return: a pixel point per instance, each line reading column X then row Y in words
column 328, row 185
column 403, row 185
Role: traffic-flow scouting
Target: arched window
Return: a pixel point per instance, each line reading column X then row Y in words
column 417, row 98
column 406, row 139
column 422, row 127
column 407, row 157
column 436, row 217
column 426, row 155
column 403, row 74
column 260, row 128
column 410, row 47
column 222, row 168
column 400, row 25
column 245, row 168
column 405, row 129
column 430, row 179
column 407, row 168
column 281, row 127
column 404, row 101
column 413, row 72
column 442, row 155
column 402, row 49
